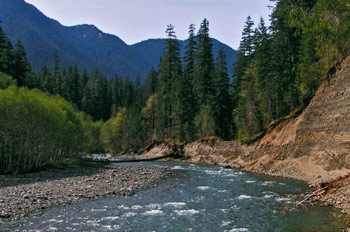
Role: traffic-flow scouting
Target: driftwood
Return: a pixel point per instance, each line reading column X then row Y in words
column 317, row 192
column 172, row 155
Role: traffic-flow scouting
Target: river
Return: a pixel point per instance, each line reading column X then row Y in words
column 196, row 198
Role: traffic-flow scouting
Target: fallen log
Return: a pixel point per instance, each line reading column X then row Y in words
column 172, row 155
column 147, row 159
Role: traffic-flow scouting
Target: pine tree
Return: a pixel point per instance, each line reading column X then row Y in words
column 203, row 78
column 21, row 67
column 265, row 83
column 151, row 84
column 6, row 53
column 188, row 101
column 222, row 107
column 246, row 48
column 96, row 101
column 170, row 72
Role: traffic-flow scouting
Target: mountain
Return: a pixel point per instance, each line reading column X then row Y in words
column 83, row 45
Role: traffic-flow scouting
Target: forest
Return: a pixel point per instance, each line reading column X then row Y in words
column 60, row 112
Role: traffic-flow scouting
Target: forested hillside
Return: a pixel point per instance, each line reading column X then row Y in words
column 190, row 96
column 84, row 46
column 278, row 71
column 280, row 68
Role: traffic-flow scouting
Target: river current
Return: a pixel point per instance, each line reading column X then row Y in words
column 196, row 198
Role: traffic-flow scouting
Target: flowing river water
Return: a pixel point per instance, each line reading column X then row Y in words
column 196, row 198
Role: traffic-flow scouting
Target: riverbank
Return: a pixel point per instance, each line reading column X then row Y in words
column 28, row 194
column 311, row 145
column 332, row 187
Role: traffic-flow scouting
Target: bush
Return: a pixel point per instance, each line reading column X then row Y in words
column 36, row 129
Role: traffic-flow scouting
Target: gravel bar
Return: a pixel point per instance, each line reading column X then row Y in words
column 28, row 194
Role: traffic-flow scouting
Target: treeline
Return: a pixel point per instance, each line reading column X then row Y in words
column 280, row 67
column 277, row 72
column 37, row 128
column 187, row 98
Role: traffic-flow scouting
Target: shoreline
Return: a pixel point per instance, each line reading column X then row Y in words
column 335, row 185
column 28, row 194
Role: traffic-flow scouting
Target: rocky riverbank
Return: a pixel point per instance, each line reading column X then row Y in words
column 23, row 195
column 330, row 188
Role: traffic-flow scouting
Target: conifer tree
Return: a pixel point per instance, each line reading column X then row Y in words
column 151, row 84
column 6, row 56
column 96, row 101
column 222, row 107
column 21, row 67
column 204, row 67
column 265, row 83
column 170, row 72
column 188, row 101
column 246, row 48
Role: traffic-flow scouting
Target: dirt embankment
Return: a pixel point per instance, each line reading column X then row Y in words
column 313, row 147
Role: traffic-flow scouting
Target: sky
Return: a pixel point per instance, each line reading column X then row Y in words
column 137, row 20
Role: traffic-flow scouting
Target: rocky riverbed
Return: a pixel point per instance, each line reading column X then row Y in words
column 23, row 195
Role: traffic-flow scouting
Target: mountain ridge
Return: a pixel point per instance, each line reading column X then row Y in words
column 83, row 45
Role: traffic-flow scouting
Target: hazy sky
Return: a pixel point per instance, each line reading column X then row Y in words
column 137, row 20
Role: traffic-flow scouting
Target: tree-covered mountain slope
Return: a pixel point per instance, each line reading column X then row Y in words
column 83, row 45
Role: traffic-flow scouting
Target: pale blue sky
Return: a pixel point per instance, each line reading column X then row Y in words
column 137, row 20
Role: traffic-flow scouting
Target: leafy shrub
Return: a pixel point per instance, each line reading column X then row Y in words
column 36, row 129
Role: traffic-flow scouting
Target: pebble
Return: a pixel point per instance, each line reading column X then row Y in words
column 24, row 195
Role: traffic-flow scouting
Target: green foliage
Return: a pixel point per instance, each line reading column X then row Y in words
column 6, row 81
column 242, row 135
column 91, row 134
column 280, row 69
column 205, row 123
column 222, row 101
column 204, row 67
column 169, row 88
column 114, row 132
column 36, row 129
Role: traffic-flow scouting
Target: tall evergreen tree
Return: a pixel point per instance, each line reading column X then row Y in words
column 265, row 83
column 204, row 67
column 189, row 107
column 222, row 107
column 170, row 72
column 6, row 56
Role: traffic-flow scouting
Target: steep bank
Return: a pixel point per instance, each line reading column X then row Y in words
column 312, row 147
